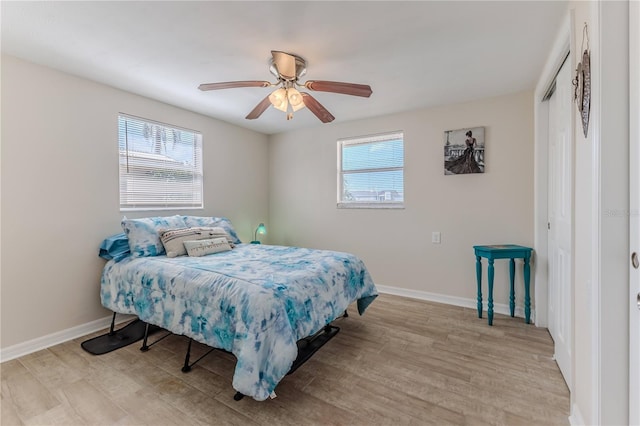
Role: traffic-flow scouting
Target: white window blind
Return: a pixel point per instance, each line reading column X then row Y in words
column 160, row 165
column 371, row 171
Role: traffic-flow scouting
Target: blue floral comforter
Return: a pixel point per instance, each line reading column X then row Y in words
column 255, row 301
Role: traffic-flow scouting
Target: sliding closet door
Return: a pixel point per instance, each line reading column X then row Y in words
column 560, row 207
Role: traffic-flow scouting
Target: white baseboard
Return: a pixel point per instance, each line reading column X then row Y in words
column 498, row 308
column 58, row 337
column 576, row 419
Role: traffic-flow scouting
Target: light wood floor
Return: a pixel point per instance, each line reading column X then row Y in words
column 405, row 362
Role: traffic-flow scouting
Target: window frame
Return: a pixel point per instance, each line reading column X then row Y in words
column 197, row 170
column 361, row 140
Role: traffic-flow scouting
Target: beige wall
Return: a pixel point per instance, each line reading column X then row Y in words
column 60, row 190
column 494, row 207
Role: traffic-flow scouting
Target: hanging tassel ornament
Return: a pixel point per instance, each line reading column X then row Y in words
column 582, row 83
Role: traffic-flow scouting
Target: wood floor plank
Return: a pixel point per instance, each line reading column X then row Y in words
column 382, row 403
column 405, row 362
column 24, row 391
column 62, row 415
column 204, row 409
column 91, row 405
column 9, row 411
column 49, row 370
column 145, row 408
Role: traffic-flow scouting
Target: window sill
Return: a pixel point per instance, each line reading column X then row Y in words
column 147, row 209
column 370, row 205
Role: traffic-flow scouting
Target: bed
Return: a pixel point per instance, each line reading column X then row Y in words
column 255, row 301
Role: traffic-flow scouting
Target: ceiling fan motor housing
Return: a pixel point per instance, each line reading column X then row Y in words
column 287, row 66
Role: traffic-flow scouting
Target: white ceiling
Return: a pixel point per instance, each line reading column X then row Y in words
column 412, row 54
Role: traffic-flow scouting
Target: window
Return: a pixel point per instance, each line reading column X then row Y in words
column 371, row 171
column 160, row 165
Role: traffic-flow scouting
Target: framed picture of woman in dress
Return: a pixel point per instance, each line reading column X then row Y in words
column 464, row 151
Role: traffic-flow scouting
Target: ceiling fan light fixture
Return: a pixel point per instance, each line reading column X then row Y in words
column 295, row 99
column 279, row 99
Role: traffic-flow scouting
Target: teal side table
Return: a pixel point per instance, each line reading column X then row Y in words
column 503, row 251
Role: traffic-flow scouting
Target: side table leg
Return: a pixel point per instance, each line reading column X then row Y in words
column 479, row 281
column 527, row 298
column 490, row 295
column 512, row 293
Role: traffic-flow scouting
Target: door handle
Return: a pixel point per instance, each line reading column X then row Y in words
column 635, row 263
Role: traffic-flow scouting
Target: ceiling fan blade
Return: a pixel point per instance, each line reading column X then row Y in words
column 259, row 109
column 233, row 85
column 316, row 108
column 285, row 64
column 353, row 89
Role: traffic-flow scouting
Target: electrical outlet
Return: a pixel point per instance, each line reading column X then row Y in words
column 435, row 237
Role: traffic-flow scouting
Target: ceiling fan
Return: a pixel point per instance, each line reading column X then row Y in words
column 288, row 68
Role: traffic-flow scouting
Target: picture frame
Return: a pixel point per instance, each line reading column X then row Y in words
column 464, row 151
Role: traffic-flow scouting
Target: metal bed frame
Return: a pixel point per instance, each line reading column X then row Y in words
column 307, row 346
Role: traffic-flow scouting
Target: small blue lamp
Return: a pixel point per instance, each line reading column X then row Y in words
column 260, row 230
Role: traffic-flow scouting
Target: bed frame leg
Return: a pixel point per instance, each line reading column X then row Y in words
column 186, row 368
column 145, row 342
column 187, row 364
column 145, row 347
column 238, row 396
column 113, row 324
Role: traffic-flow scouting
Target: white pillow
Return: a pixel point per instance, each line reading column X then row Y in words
column 173, row 239
column 202, row 247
